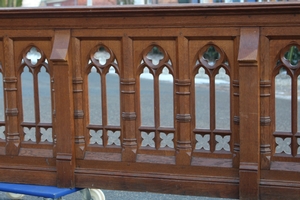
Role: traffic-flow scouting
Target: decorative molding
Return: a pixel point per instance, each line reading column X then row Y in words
column 183, row 118
column 77, row 80
column 265, row 86
column 185, row 82
column 10, row 79
column 64, row 156
column 236, row 120
column 130, row 81
column 265, row 148
column 128, row 116
column 13, row 137
column 247, row 166
column 78, row 114
column 11, row 111
column 130, row 142
column 265, row 121
column 186, row 145
column 236, row 147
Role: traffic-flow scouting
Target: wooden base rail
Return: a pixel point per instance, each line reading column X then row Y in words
column 183, row 99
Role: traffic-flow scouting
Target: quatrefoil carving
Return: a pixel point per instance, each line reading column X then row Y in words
column 33, row 56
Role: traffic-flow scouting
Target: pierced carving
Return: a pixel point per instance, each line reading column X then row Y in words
column 292, row 56
column 96, row 137
column 167, row 140
column 202, row 142
column 2, row 133
column 156, row 66
column 103, row 59
column 211, row 55
column 222, row 143
column 101, row 55
column 283, row 145
column 114, row 138
column 155, row 55
column 46, row 135
column 29, row 134
column 286, row 81
column 33, row 55
column 147, row 139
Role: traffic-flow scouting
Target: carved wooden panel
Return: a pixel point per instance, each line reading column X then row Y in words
column 203, row 99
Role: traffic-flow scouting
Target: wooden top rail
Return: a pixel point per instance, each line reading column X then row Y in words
column 228, row 14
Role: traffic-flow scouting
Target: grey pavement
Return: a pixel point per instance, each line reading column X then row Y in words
column 124, row 195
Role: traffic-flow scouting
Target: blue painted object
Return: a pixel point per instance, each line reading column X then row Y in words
column 37, row 190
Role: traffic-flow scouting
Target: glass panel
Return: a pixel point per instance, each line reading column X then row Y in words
column 1, row 98
column 95, row 97
column 202, row 99
column 114, row 138
column 283, row 101
column 147, row 98
column 96, row 137
column 202, row 142
column 44, row 96
column 147, row 139
column 27, row 96
column 283, row 145
column 113, row 97
column 166, row 98
column 222, row 100
column 167, row 140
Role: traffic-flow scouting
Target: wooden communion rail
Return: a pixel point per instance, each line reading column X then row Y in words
column 85, row 103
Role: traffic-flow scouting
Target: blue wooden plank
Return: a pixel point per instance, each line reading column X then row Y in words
column 37, row 190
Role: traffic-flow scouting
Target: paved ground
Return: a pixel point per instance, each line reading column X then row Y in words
column 123, row 195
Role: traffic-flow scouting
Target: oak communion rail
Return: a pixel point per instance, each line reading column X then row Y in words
column 85, row 103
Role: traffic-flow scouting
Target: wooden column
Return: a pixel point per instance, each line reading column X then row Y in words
column 64, row 124
column 265, row 95
column 183, row 114
column 11, row 108
column 128, row 102
column 236, row 114
column 249, row 113
column 78, row 100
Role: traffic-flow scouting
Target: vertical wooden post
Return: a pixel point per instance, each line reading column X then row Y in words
column 64, row 124
column 183, row 114
column 265, row 95
column 78, row 100
column 249, row 113
column 128, row 102
column 11, row 108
